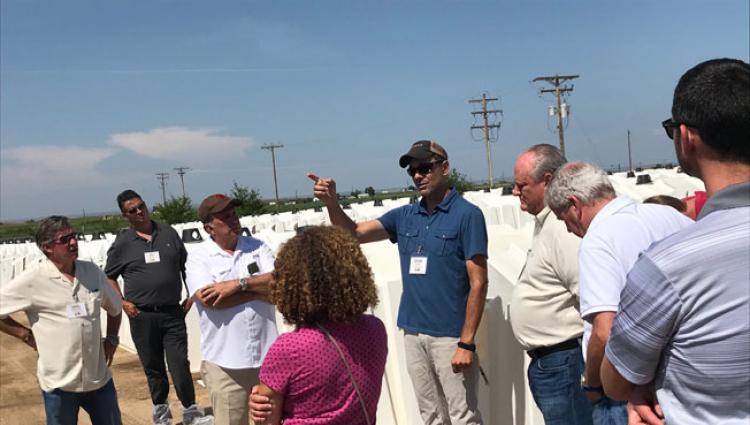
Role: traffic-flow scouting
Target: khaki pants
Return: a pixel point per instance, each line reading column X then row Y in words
column 229, row 390
column 444, row 397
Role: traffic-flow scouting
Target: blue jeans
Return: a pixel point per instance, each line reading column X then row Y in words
column 555, row 382
column 61, row 407
column 610, row 412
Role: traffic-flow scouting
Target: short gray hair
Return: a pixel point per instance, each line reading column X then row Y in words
column 584, row 180
column 48, row 227
column 547, row 159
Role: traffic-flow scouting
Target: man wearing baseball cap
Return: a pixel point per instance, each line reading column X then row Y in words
column 228, row 276
column 442, row 243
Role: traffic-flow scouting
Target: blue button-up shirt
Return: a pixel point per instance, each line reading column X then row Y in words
column 434, row 303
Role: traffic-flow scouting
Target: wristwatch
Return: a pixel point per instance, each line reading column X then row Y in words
column 244, row 284
column 113, row 340
column 466, row 346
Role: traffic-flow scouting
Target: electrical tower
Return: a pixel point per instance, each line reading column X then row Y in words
column 273, row 148
column 487, row 127
column 163, row 177
column 181, row 171
column 557, row 81
column 630, row 157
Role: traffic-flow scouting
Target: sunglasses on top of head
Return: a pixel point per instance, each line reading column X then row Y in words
column 423, row 168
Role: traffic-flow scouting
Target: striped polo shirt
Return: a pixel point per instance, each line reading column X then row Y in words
column 684, row 317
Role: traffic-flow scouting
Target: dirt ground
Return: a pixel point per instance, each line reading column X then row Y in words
column 21, row 399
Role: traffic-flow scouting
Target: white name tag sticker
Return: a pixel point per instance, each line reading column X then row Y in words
column 76, row 310
column 152, row 257
column 418, row 265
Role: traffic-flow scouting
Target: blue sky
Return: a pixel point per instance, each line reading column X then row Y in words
column 98, row 96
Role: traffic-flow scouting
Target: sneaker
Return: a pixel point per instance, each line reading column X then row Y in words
column 161, row 414
column 192, row 414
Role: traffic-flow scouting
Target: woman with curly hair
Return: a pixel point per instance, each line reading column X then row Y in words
column 329, row 370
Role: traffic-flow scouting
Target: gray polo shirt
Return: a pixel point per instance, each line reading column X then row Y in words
column 152, row 270
column 684, row 317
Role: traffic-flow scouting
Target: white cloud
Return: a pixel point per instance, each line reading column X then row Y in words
column 46, row 168
column 192, row 146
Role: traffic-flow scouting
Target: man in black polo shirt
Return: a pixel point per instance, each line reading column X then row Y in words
column 150, row 257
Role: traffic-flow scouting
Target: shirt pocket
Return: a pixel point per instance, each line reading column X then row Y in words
column 220, row 273
column 407, row 240
column 94, row 303
column 444, row 242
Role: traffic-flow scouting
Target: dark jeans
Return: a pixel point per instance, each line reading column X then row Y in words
column 157, row 333
column 555, row 382
column 610, row 412
column 61, row 407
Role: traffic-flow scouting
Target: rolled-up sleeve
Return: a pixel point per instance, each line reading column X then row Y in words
column 648, row 312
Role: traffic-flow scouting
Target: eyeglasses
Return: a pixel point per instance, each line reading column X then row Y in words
column 64, row 239
column 669, row 124
column 141, row 206
column 422, row 168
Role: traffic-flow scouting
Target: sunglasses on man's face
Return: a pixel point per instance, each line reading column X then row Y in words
column 422, row 168
column 64, row 239
column 141, row 206
column 669, row 125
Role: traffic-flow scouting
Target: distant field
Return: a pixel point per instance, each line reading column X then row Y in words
column 113, row 223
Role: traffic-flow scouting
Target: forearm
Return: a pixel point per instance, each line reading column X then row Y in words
column 339, row 218
column 615, row 385
column 260, row 284
column 594, row 355
column 116, row 286
column 113, row 324
column 474, row 310
column 277, row 404
column 237, row 299
column 13, row 328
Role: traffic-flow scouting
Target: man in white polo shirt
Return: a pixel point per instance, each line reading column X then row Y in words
column 62, row 299
column 615, row 230
column 228, row 275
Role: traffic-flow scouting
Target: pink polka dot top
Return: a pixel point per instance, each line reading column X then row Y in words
column 305, row 367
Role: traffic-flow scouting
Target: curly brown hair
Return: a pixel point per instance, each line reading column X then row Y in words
column 322, row 275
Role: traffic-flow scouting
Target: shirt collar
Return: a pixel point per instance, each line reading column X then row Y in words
column 610, row 209
column 215, row 249
column 540, row 218
column 50, row 270
column 154, row 231
column 736, row 195
column 444, row 205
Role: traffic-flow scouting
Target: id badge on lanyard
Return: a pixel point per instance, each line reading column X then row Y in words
column 77, row 308
column 151, row 257
column 418, row 262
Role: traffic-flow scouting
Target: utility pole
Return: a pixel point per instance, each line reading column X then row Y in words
column 630, row 158
column 273, row 148
column 556, row 81
column 181, row 171
column 162, row 177
column 487, row 127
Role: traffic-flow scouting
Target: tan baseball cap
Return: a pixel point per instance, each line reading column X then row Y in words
column 214, row 204
column 423, row 149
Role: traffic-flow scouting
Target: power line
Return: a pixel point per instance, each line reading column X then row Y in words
column 181, row 171
column 273, row 148
column 487, row 127
column 163, row 177
column 556, row 81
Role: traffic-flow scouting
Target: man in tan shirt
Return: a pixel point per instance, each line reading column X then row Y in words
column 62, row 299
column 544, row 310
